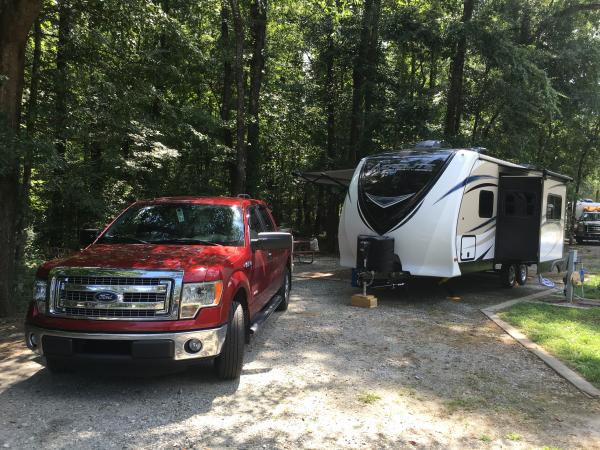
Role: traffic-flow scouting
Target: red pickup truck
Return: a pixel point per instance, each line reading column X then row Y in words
column 170, row 280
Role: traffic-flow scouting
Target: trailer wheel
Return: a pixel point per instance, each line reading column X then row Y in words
column 229, row 363
column 522, row 274
column 508, row 275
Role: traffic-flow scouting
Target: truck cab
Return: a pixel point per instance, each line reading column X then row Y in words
column 588, row 226
column 170, row 280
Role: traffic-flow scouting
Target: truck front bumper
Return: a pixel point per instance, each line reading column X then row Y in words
column 123, row 347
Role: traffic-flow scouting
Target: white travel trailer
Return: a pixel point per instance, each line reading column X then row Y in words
column 433, row 212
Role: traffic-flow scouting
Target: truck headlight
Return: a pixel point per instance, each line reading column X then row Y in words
column 40, row 288
column 199, row 295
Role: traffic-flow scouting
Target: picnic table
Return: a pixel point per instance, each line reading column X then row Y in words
column 304, row 251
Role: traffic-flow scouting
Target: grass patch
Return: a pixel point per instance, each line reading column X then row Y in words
column 513, row 437
column 571, row 334
column 465, row 404
column 485, row 438
column 591, row 287
column 368, row 398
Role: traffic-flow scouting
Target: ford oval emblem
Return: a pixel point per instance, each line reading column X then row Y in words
column 106, row 296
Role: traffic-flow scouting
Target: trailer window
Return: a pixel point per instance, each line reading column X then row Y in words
column 486, row 204
column 389, row 180
column 554, row 207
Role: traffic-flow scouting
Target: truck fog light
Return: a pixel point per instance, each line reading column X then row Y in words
column 193, row 346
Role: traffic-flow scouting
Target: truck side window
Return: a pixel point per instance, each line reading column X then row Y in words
column 267, row 220
column 553, row 207
column 254, row 223
column 486, row 204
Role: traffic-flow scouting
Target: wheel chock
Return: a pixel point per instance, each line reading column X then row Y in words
column 364, row 301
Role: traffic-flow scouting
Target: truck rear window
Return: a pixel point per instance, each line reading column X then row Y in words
column 178, row 223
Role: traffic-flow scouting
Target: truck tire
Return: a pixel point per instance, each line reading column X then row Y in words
column 284, row 290
column 228, row 364
column 579, row 240
column 522, row 274
column 508, row 275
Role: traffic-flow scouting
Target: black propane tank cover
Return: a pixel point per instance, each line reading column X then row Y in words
column 379, row 253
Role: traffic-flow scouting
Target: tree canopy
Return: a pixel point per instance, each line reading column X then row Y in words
column 137, row 99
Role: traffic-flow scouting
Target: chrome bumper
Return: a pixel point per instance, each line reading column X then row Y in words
column 212, row 339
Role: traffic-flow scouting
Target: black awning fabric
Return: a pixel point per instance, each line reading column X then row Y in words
column 328, row 177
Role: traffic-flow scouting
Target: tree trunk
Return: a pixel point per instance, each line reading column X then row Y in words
column 227, row 87
column 372, row 59
column 358, row 82
column 30, row 120
column 16, row 18
column 329, row 96
column 57, row 219
column 258, row 14
column 457, row 66
column 239, row 182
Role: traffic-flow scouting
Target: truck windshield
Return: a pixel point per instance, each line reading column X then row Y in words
column 178, row 223
column 591, row 216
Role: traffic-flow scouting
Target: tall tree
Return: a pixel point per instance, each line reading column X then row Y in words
column 455, row 99
column 363, row 74
column 16, row 18
column 239, row 182
column 258, row 21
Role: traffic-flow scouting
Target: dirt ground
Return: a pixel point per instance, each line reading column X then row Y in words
column 420, row 371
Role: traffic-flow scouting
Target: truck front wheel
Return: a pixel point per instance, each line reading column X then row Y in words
column 229, row 363
column 284, row 290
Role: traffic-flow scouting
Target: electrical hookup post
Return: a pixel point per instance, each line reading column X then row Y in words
column 571, row 261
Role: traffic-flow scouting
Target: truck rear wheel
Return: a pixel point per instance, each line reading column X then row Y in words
column 579, row 240
column 522, row 274
column 228, row 364
column 508, row 275
column 284, row 290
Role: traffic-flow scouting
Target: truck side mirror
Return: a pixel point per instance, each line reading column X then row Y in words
column 87, row 236
column 273, row 240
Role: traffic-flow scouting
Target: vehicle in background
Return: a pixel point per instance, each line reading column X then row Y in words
column 170, row 280
column 587, row 227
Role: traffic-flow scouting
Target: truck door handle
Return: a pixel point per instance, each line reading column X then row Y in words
column 270, row 254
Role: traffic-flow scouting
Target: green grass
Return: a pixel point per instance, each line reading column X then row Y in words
column 368, row 398
column 591, row 287
column 571, row 334
column 513, row 437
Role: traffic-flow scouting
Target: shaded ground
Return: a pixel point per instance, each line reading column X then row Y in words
column 419, row 371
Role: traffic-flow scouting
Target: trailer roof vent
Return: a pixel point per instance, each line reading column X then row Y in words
column 429, row 144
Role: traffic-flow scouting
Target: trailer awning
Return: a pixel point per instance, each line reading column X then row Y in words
column 328, row 177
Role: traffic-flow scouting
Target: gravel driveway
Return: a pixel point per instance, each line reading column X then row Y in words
column 419, row 371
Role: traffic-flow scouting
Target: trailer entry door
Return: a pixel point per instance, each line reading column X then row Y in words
column 518, row 221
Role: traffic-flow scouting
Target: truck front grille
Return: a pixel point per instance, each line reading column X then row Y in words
column 593, row 228
column 115, row 294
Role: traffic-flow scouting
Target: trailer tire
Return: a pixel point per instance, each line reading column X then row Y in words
column 284, row 290
column 508, row 275
column 522, row 274
column 228, row 365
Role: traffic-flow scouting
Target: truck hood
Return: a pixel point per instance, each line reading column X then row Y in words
column 194, row 260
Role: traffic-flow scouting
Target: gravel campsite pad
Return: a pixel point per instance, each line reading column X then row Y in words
column 425, row 369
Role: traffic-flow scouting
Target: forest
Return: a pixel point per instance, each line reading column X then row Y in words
column 103, row 102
